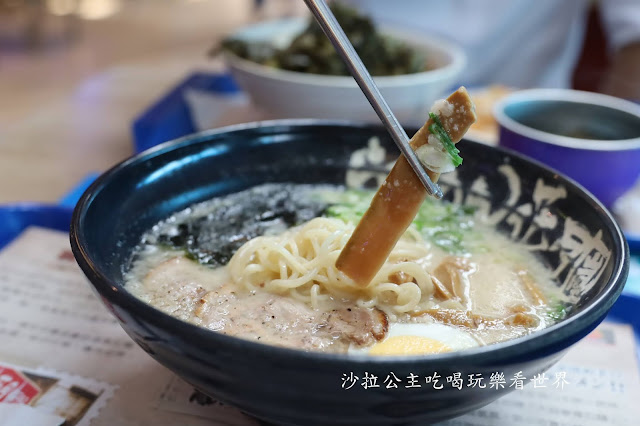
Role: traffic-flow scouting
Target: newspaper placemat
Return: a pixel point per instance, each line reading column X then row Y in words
column 59, row 397
column 52, row 325
column 51, row 320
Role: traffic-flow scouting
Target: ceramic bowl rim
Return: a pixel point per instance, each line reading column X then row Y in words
column 566, row 95
column 456, row 61
column 551, row 339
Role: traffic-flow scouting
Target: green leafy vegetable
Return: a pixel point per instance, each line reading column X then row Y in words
column 447, row 225
column 437, row 129
column 348, row 206
column 557, row 311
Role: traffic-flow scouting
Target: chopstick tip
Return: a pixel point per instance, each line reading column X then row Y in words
column 437, row 192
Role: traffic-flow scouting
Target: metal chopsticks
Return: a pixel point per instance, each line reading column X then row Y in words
column 338, row 38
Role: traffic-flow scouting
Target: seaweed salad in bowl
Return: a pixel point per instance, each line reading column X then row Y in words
column 310, row 51
column 280, row 62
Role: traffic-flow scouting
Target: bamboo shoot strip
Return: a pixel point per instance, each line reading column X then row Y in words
column 398, row 199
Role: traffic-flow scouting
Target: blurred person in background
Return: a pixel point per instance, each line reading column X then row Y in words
column 524, row 43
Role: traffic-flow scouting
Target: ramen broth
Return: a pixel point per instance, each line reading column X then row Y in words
column 260, row 265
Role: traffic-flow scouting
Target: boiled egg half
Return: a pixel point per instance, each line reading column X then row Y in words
column 418, row 339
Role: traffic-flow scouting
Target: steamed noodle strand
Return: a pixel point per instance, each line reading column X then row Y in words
column 301, row 263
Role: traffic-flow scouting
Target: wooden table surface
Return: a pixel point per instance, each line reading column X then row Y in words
column 66, row 109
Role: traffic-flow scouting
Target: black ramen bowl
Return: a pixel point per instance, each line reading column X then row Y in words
column 569, row 229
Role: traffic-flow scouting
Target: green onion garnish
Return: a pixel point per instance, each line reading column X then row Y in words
column 437, row 129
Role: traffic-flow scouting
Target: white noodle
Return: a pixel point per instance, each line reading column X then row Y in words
column 301, row 262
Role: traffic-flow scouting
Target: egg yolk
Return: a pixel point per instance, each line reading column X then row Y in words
column 408, row 345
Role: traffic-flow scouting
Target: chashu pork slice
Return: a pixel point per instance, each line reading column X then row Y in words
column 206, row 297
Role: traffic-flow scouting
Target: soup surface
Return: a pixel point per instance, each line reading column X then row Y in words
column 260, row 265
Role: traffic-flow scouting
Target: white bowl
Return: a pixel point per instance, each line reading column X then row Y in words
column 288, row 94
